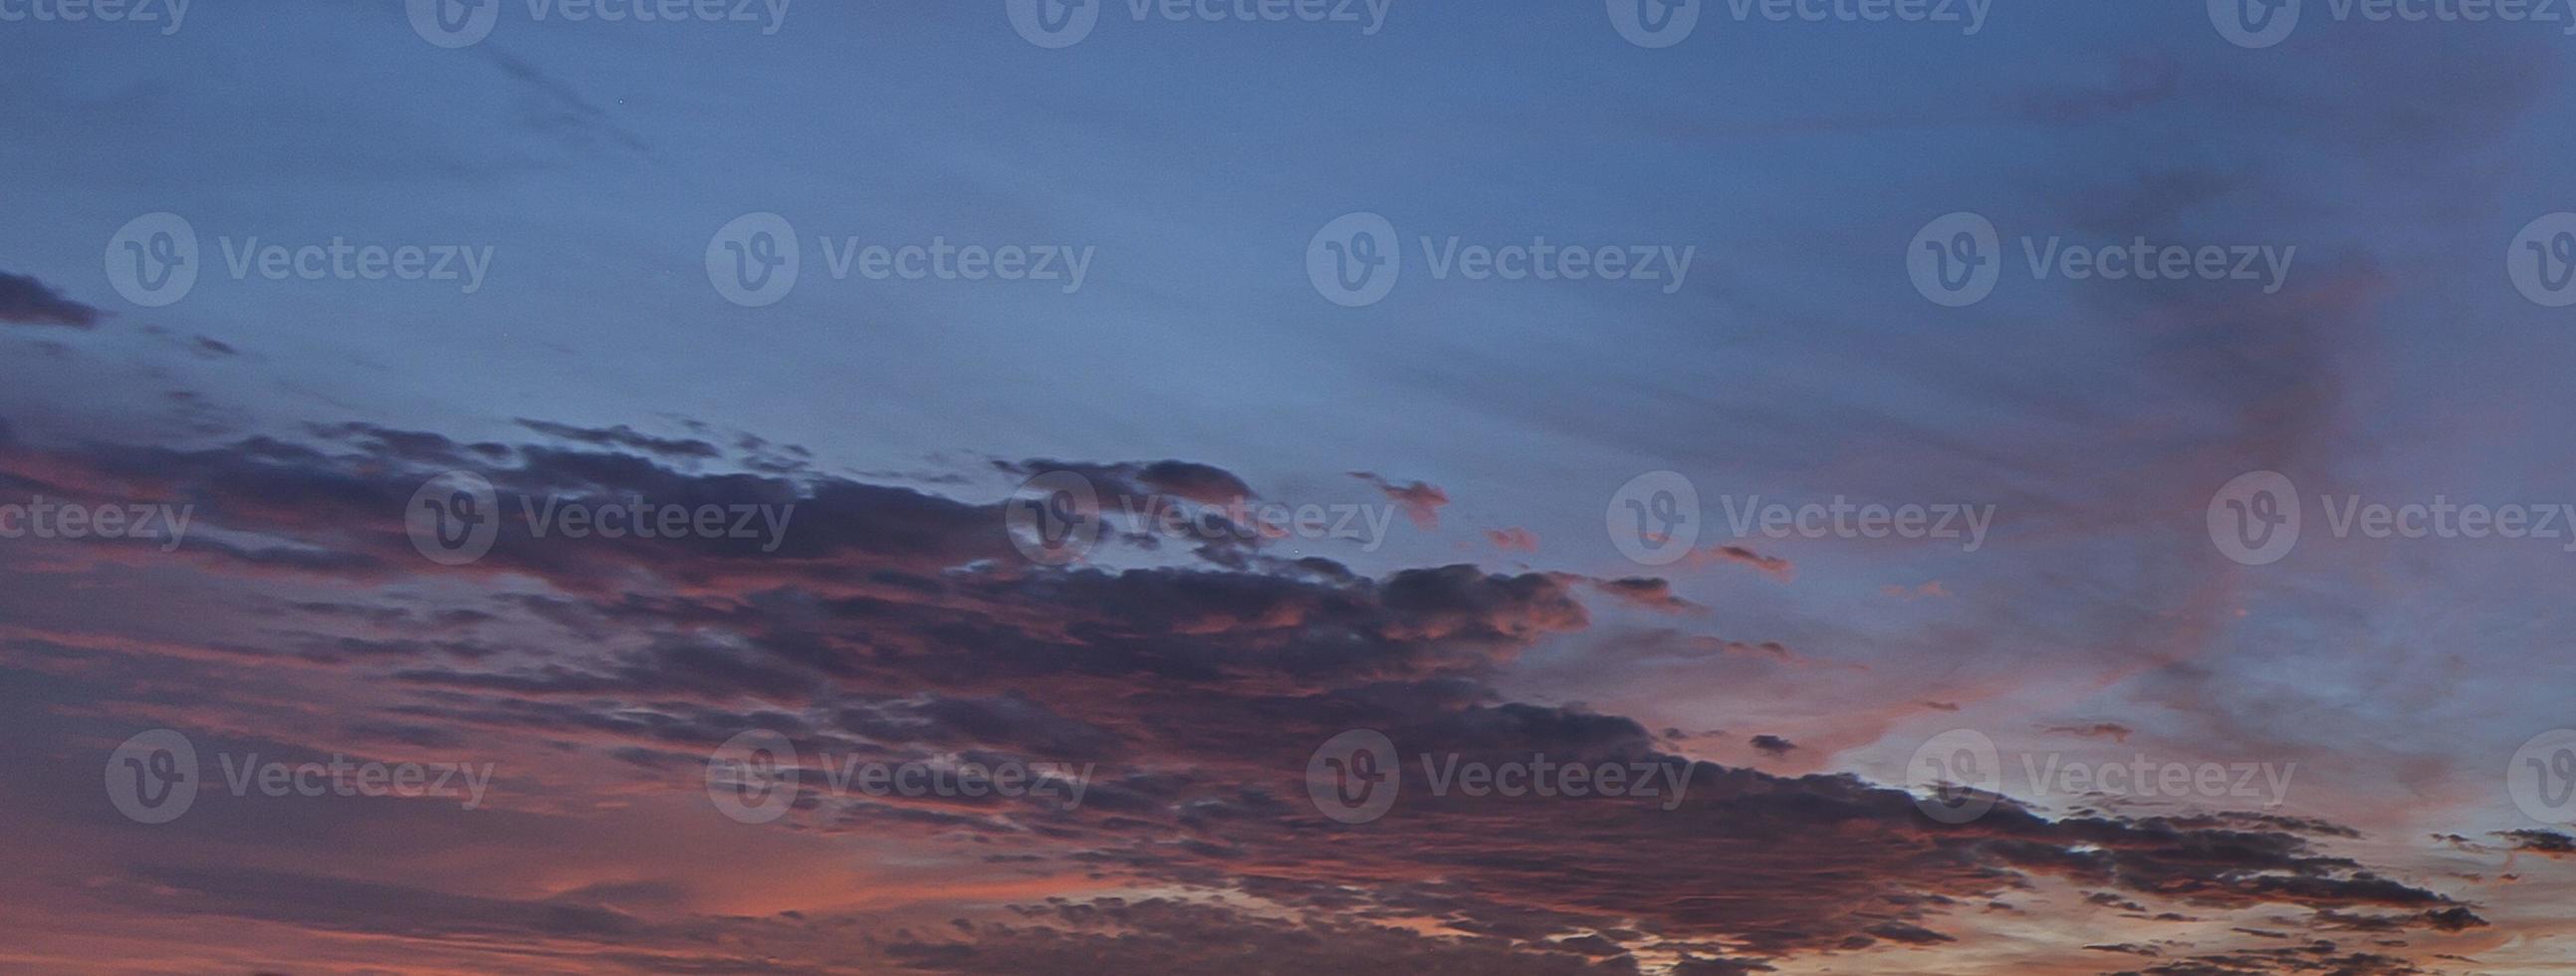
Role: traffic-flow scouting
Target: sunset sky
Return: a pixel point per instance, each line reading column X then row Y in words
column 1662, row 521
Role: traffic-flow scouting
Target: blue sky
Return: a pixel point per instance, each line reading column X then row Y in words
column 2391, row 164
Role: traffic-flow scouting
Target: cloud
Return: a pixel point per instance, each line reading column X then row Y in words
column 1422, row 502
column 26, row 301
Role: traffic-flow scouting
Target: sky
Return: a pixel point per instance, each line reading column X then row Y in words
column 1251, row 486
